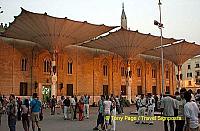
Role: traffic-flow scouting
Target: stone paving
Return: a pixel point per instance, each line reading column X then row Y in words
column 56, row 123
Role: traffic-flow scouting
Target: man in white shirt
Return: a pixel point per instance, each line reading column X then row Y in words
column 167, row 106
column 72, row 105
column 86, row 106
column 141, row 111
column 191, row 112
column 181, row 103
column 150, row 107
column 197, row 98
column 107, row 107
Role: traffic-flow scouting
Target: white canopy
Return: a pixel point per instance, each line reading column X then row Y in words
column 177, row 53
column 127, row 43
column 50, row 32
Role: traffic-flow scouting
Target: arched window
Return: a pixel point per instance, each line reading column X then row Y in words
column 167, row 74
column 69, row 67
column 23, row 64
column 47, row 66
column 123, row 71
column 105, row 67
column 138, row 72
column 153, row 73
column 105, row 70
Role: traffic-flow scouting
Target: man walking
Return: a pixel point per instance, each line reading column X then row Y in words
column 181, row 102
column 167, row 106
column 107, row 112
column 100, row 119
column 142, row 108
column 72, row 104
column 86, row 106
column 66, row 104
column 118, row 105
column 53, row 105
column 191, row 111
column 12, row 112
column 150, row 107
column 35, row 109
column 75, row 111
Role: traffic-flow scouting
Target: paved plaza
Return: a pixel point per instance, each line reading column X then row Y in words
column 56, row 123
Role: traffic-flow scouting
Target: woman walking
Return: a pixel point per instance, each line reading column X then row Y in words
column 81, row 108
column 25, row 115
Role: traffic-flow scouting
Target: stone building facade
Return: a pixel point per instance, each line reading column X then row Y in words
column 80, row 71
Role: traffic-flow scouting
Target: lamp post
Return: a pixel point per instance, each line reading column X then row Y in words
column 160, row 26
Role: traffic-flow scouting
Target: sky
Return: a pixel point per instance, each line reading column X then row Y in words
column 181, row 18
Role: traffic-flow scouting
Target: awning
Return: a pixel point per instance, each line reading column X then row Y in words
column 127, row 43
column 177, row 53
column 52, row 33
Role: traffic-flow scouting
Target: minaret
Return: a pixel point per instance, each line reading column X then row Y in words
column 123, row 18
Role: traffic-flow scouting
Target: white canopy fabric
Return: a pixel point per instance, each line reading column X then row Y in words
column 177, row 53
column 52, row 33
column 127, row 43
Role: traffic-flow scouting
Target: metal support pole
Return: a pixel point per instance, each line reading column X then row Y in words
column 161, row 37
column 162, row 61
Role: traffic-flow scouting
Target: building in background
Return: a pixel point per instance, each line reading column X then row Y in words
column 191, row 74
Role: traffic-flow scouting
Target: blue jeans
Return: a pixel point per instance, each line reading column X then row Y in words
column 11, row 122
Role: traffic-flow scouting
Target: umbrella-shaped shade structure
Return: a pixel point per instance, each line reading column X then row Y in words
column 127, row 44
column 50, row 32
column 177, row 53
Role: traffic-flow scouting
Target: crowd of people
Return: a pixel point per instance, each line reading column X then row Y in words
column 25, row 111
column 71, row 106
column 184, row 104
column 30, row 110
column 108, row 107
